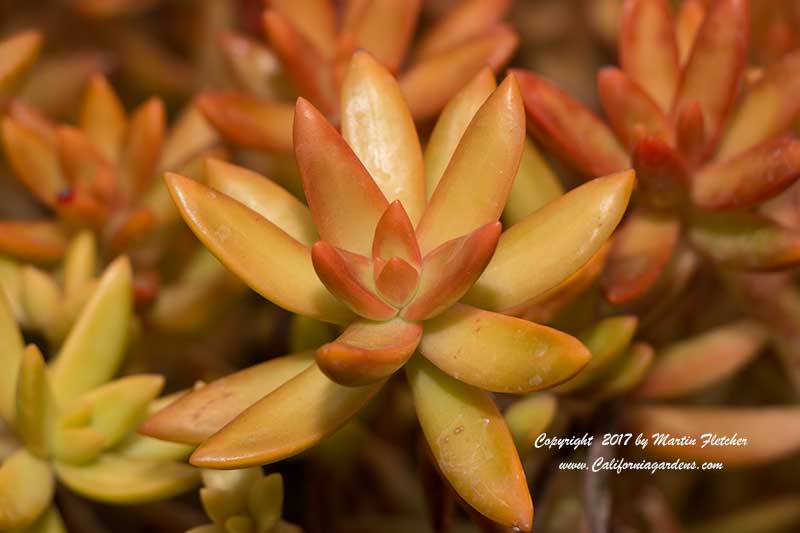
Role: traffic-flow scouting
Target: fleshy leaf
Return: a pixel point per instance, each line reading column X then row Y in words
column 640, row 251
column 450, row 270
column 715, row 66
column 41, row 298
column 377, row 125
column 225, row 492
column 334, row 270
column 476, row 183
column 316, row 19
column 452, row 124
column 431, row 82
column 103, row 118
column 369, row 351
column 648, row 50
column 698, row 362
column 461, row 22
column 344, row 199
column 501, row 353
column 607, row 341
column 628, row 372
column 749, row 178
column 529, row 417
column 80, row 264
column 568, row 128
column 34, row 161
column 139, row 157
column 395, row 237
column 302, row 60
column 36, row 406
column 385, row 28
column 551, row 244
column 745, row 241
column 263, row 196
column 287, row 421
column 767, row 109
column 631, row 112
column 249, row 121
column 471, row 444
column 266, row 501
column 117, row 407
column 93, row 350
column 395, row 280
column 11, row 351
column 687, row 24
column 115, row 479
column 691, row 131
column 261, row 254
column 771, row 432
column 32, row 240
column 198, row 414
column 26, row 488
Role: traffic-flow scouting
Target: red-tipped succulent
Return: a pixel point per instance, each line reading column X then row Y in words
column 708, row 148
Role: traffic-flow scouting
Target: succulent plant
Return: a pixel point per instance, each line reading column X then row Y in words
column 310, row 44
column 395, row 257
column 243, row 501
column 99, row 175
column 74, row 424
column 704, row 167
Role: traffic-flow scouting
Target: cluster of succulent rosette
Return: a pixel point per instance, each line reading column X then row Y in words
column 458, row 260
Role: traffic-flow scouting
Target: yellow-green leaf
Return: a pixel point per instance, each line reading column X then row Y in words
column 36, row 407
column 198, row 414
column 291, row 419
column 26, row 488
column 471, row 444
column 93, row 350
column 115, row 479
column 551, row 244
column 529, row 417
column 500, row 353
column 11, row 349
column 265, row 257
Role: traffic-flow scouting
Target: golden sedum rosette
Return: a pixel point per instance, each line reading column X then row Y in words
column 408, row 256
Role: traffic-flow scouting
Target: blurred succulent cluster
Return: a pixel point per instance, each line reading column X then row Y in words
column 368, row 280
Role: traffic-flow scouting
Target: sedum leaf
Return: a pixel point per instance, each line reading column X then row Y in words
column 607, row 341
column 471, row 444
column 715, row 65
column 36, row 407
column 290, row 419
column 200, row 413
column 377, row 125
column 535, row 185
column 248, row 121
column 115, row 479
column 344, row 199
column 640, row 251
column 261, row 254
column 265, row 502
column 771, row 432
column 26, row 489
column 114, row 409
column 369, row 351
column 569, row 129
column 551, row 244
column 474, row 187
column 385, row 28
column 93, row 350
column 263, row 196
column 529, row 417
column 37, row 241
column 500, row 353
column 693, row 364
column 451, row 125
column 11, row 353
column 430, row 83
column 103, row 118
column 648, row 50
